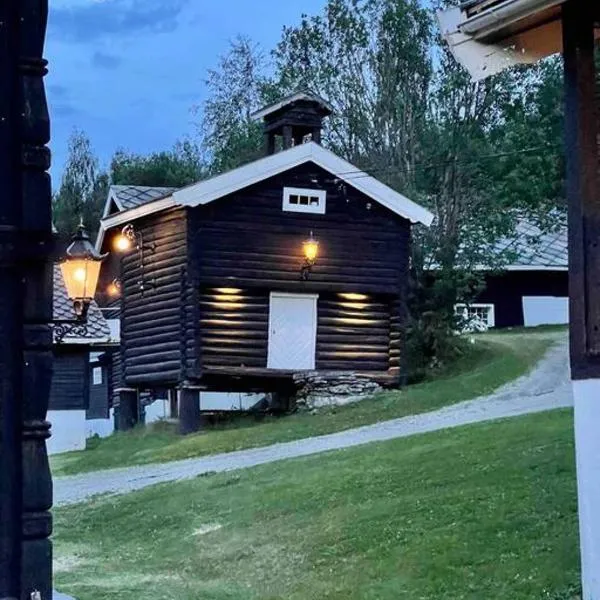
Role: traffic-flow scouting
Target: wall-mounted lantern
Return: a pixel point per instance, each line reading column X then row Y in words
column 80, row 270
column 127, row 239
column 114, row 288
column 310, row 247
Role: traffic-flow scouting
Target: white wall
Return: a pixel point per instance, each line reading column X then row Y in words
column 68, row 431
column 159, row 409
column 228, row 400
column 587, row 443
column 545, row 310
column 101, row 427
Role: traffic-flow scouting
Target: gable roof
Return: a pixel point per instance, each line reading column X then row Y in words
column 98, row 331
column 208, row 190
column 126, row 197
column 295, row 97
column 536, row 249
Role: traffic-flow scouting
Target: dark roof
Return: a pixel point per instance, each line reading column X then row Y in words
column 474, row 6
column 97, row 328
column 130, row 196
column 534, row 247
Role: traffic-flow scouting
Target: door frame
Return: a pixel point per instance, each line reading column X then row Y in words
column 314, row 298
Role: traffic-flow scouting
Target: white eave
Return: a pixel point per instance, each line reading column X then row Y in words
column 508, row 33
column 217, row 187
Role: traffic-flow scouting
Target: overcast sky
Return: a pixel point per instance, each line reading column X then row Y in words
column 128, row 71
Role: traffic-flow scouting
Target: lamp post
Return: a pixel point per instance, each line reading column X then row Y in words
column 25, row 304
column 80, row 270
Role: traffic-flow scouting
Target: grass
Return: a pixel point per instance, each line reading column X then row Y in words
column 493, row 359
column 480, row 512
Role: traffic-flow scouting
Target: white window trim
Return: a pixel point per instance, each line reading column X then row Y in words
column 97, row 376
column 491, row 310
column 290, row 191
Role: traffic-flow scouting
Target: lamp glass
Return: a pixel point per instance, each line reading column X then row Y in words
column 311, row 250
column 121, row 243
column 81, row 277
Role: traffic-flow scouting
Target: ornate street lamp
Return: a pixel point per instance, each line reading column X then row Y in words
column 310, row 248
column 80, row 270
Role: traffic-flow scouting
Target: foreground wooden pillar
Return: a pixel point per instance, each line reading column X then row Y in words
column 189, row 410
column 25, row 304
column 128, row 411
column 583, row 191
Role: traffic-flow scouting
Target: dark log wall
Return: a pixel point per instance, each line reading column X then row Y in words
column 70, row 384
column 353, row 334
column 153, row 285
column 99, row 396
column 247, row 242
column 234, row 327
column 506, row 292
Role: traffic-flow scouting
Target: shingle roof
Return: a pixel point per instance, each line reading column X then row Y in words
column 130, row 196
column 532, row 247
column 98, row 330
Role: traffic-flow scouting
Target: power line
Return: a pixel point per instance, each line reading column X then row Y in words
column 393, row 168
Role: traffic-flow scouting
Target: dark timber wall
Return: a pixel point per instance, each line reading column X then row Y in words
column 70, row 382
column 153, row 288
column 246, row 242
column 100, row 400
column 506, row 292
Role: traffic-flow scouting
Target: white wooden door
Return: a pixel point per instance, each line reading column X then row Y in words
column 292, row 331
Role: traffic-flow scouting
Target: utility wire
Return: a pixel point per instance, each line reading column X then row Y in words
column 393, row 168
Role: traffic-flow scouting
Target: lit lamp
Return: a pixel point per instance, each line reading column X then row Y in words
column 310, row 248
column 114, row 288
column 125, row 239
column 81, row 270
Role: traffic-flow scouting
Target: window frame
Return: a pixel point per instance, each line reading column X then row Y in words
column 462, row 306
column 96, row 370
column 319, row 209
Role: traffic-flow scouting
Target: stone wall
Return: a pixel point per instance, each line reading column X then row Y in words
column 320, row 389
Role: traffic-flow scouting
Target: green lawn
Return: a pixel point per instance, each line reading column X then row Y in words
column 475, row 513
column 493, row 359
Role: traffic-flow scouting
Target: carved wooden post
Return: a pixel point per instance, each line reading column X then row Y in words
column 25, row 304
column 583, row 191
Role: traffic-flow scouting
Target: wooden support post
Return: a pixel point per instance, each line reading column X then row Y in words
column 583, row 192
column 128, row 409
column 316, row 135
column 25, row 304
column 189, row 410
column 269, row 143
column 287, row 137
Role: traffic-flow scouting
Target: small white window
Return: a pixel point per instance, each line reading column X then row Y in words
column 475, row 317
column 304, row 200
column 97, row 376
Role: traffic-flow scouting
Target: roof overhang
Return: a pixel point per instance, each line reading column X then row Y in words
column 502, row 33
column 217, row 187
column 296, row 97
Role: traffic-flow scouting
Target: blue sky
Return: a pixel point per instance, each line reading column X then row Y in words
column 128, row 71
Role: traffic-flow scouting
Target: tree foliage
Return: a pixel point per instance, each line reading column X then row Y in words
column 82, row 190
column 180, row 166
column 236, row 88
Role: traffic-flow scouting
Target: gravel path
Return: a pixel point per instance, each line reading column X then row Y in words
column 545, row 388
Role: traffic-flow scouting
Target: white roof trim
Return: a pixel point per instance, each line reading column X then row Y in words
column 112, row 197
column 126, row 216
column 217, row 187
column 261, row 114
column 242, row 177
column 536, row 268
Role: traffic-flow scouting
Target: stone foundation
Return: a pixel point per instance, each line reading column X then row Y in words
column 318, row 390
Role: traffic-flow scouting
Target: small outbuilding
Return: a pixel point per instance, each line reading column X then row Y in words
column 296, row 262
